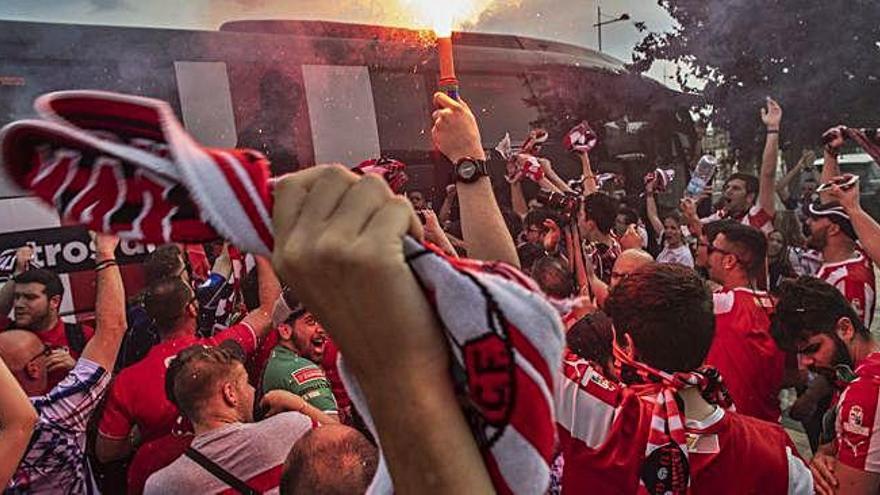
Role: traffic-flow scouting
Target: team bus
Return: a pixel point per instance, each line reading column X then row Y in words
column 306, row 92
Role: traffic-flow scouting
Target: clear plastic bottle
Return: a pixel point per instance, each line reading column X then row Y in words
column 703, row 173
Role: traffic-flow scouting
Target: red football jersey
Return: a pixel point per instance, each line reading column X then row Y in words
column 603, row 431
column 756, row 217
column 858, row 421
column 137, row 396
column 745, row 353
column 855, row 280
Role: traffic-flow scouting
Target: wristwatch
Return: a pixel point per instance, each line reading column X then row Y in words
column 469, row 170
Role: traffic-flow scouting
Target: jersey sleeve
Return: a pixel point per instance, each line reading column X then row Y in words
column 858, row 427
column 243, row 334
column 116, row 421
column 860, row 293
column 72, row 402
column 760, row 219
column 585, row 403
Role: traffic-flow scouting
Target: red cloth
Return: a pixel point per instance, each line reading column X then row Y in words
column 855, row 280
column 857, row 415
column 137, row 397
column 746, row 354
column 604, row 428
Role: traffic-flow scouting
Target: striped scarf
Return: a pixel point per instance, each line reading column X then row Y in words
column 123, row 164
column 666, row 469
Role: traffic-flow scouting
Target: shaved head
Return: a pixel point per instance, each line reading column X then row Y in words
column 628, row 262
column 17, row 347
column 20, row 350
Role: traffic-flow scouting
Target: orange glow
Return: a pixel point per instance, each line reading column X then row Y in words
column 445, row 15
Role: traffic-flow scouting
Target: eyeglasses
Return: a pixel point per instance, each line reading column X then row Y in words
column 711, row 248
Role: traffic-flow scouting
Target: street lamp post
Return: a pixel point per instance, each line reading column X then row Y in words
column 600, row 22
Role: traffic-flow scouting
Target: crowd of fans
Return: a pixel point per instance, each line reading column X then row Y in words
column 682, row 330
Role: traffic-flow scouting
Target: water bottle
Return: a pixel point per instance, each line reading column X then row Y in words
column 703, row 173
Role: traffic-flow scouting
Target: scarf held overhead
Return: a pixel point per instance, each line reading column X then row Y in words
column 124, row 164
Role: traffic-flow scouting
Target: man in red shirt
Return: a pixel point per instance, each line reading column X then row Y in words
column 638, row 438
column 814, row 318
column 743, row 350
column 38, row 295
column 845, row 267
column 137, row 409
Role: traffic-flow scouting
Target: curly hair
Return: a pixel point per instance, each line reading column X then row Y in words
column 808, row 306
column 667, row 311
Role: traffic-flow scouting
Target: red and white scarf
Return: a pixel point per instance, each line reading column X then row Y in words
column 505, row 339
column 666, row 468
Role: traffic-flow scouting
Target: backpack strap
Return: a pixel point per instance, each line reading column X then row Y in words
column 219, row 473
column 76, row 338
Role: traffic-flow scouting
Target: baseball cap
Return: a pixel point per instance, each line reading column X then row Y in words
column 834, row 212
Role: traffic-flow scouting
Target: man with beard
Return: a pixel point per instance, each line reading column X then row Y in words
column 210, row 387
column 748, row 199
column 668, row 430
column 293, row 365
column 138, row 418
column 752, row 365
column 814, row 319
column 845, row 267
column 38, row 296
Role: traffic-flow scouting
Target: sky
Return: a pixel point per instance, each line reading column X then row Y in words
column 570, row 21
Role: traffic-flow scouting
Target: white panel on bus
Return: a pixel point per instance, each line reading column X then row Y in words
column 206, row 102
column 342, row 113
column 26, row 213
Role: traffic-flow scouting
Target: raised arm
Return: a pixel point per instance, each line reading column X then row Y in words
column 457, row 136
column 591, row 185
column 339, row 244
column 17, row 421
column 260, row 319
column 7, row 292
column 831, row 168
column 445, row 213
column 782, row 188
column 771, row 115
column 651, row 207
column 110, row 323
column 553, row 177
column 866, row 227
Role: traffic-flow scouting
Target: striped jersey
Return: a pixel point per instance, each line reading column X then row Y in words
column 604, row 427
column 55, row 461
column 756, row 217
column 858, row 421
column 854, row 278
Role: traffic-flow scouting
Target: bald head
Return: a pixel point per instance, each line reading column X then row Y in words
column 17, row 347
column 330, row 460
column 628, row 262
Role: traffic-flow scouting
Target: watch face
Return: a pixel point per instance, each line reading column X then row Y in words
column 467, row 169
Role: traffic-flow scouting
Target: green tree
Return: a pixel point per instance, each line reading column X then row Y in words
column 819, row 58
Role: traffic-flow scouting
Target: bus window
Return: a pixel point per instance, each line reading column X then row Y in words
column 206, row 103
column 403, row 111
column 342, row 114
column 496, row 114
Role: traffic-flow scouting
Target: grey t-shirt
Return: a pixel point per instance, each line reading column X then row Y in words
column 253, row 452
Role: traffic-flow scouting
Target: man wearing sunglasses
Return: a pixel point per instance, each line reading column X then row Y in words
column 56, row 457
column 743, row 350
column 815, row 320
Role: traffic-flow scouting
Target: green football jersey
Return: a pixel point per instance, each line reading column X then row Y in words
column 287, row 370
